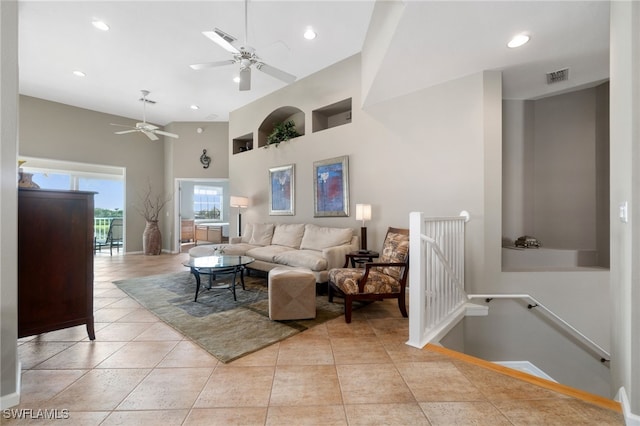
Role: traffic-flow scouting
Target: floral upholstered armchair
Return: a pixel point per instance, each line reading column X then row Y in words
column 385, row 279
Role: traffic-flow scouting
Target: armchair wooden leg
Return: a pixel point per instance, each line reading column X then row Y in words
column 330, row 292
column 402, row 305
column 347, row 308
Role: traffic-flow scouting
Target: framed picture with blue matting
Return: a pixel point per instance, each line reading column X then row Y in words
column 282, row 190
column 331, row 187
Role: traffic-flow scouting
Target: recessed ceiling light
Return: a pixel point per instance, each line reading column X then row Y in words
column 79, row 74
column 100, row 25
column 309, row 34
column 194, row 107
column 236, row 79
column 518, row 41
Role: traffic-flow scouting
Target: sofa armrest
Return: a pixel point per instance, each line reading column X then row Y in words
column 335, row 255
column 235, row 240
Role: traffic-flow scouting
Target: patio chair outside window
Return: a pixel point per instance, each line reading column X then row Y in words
column 114, row 237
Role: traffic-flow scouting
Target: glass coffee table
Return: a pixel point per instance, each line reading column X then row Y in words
column 212, row 266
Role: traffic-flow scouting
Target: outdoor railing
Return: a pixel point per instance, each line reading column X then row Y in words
column 101, row 227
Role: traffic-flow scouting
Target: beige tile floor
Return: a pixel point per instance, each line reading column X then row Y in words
column 141, row 371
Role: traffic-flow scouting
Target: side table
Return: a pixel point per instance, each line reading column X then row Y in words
column 359, row 258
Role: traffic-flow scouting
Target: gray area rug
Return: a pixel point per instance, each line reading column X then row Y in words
column 226, row 328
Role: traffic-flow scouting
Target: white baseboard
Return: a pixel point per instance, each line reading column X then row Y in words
column 13, row 399
column 526, row 367
column 630, row 419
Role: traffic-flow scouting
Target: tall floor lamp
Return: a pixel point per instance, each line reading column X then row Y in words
column 240, row 203
column 363, row 213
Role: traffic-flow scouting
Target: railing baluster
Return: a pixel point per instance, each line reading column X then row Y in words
column 437, row 274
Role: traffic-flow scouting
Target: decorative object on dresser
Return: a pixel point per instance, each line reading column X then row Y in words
column 363, row 213
column 240, row 203
column 331, row 187
column 55, row 260
column 282, row 190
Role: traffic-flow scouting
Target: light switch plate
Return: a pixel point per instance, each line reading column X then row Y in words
column 623, row 212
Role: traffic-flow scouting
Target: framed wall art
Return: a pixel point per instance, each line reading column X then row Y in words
column 331, row 187
column 282, row 190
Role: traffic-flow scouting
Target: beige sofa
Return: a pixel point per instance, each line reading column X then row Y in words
column 317, row 248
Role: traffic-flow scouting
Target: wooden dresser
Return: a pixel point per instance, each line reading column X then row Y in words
column 55, row 260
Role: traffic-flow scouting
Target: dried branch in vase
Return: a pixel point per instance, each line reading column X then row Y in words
column 151, row 204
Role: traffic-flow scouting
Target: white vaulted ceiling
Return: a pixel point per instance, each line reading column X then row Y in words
column 151, row 44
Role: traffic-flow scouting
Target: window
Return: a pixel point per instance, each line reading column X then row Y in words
column 207, row 202
column 107, row 182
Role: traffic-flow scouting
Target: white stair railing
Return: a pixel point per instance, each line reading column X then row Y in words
column 581, row 338
column 436, row 277
column 437, row 298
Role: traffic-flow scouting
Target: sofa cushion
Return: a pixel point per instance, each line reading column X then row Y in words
column 289, row 235
column 267, row 253
column 247, row 233
column 311, row 259
column 262, row 234
column 236, row 249
column 320, row 237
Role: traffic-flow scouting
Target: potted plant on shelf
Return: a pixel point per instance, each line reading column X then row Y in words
column 282, row 132
column 150, row 207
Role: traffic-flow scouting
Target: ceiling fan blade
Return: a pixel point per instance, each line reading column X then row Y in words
column 245, row 79
column 150, row 135
column 122, row 125
column 222, row 39
column 212, row 64
column 163, row 133
column 124, row 132
column 275, row 72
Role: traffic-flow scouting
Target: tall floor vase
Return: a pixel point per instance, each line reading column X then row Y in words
column 152, row 238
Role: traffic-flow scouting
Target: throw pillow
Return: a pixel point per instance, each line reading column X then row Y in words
column 320, row 237
column 262, row 234
column 247, row 233
column 288, row 235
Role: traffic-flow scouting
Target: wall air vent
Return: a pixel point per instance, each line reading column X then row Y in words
column 557, row 76
column 226, row 37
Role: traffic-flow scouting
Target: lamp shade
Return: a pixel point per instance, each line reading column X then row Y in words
column 363, row 212
column 235, row 201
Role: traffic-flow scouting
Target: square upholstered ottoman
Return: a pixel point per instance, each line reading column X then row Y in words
column 292, row 294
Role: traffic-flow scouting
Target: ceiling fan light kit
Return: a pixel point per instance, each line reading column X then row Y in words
column 244, row 55
column 149, row 130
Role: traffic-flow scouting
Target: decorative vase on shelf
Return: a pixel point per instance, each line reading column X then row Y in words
column 152, row 238
column 26, row 181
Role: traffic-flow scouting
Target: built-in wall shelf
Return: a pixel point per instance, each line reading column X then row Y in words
column 243, row 143
column 280, row 115
column 332, row 115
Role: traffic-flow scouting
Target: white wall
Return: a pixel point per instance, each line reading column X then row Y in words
column 416, row 153
column 564, row 175
column 625, row 187
column 61, row 132
column 554, row 176
column 182, row 161
column 9, row 366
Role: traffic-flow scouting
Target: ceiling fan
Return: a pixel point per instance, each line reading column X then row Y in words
column 245, row 55
column 147, row 128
